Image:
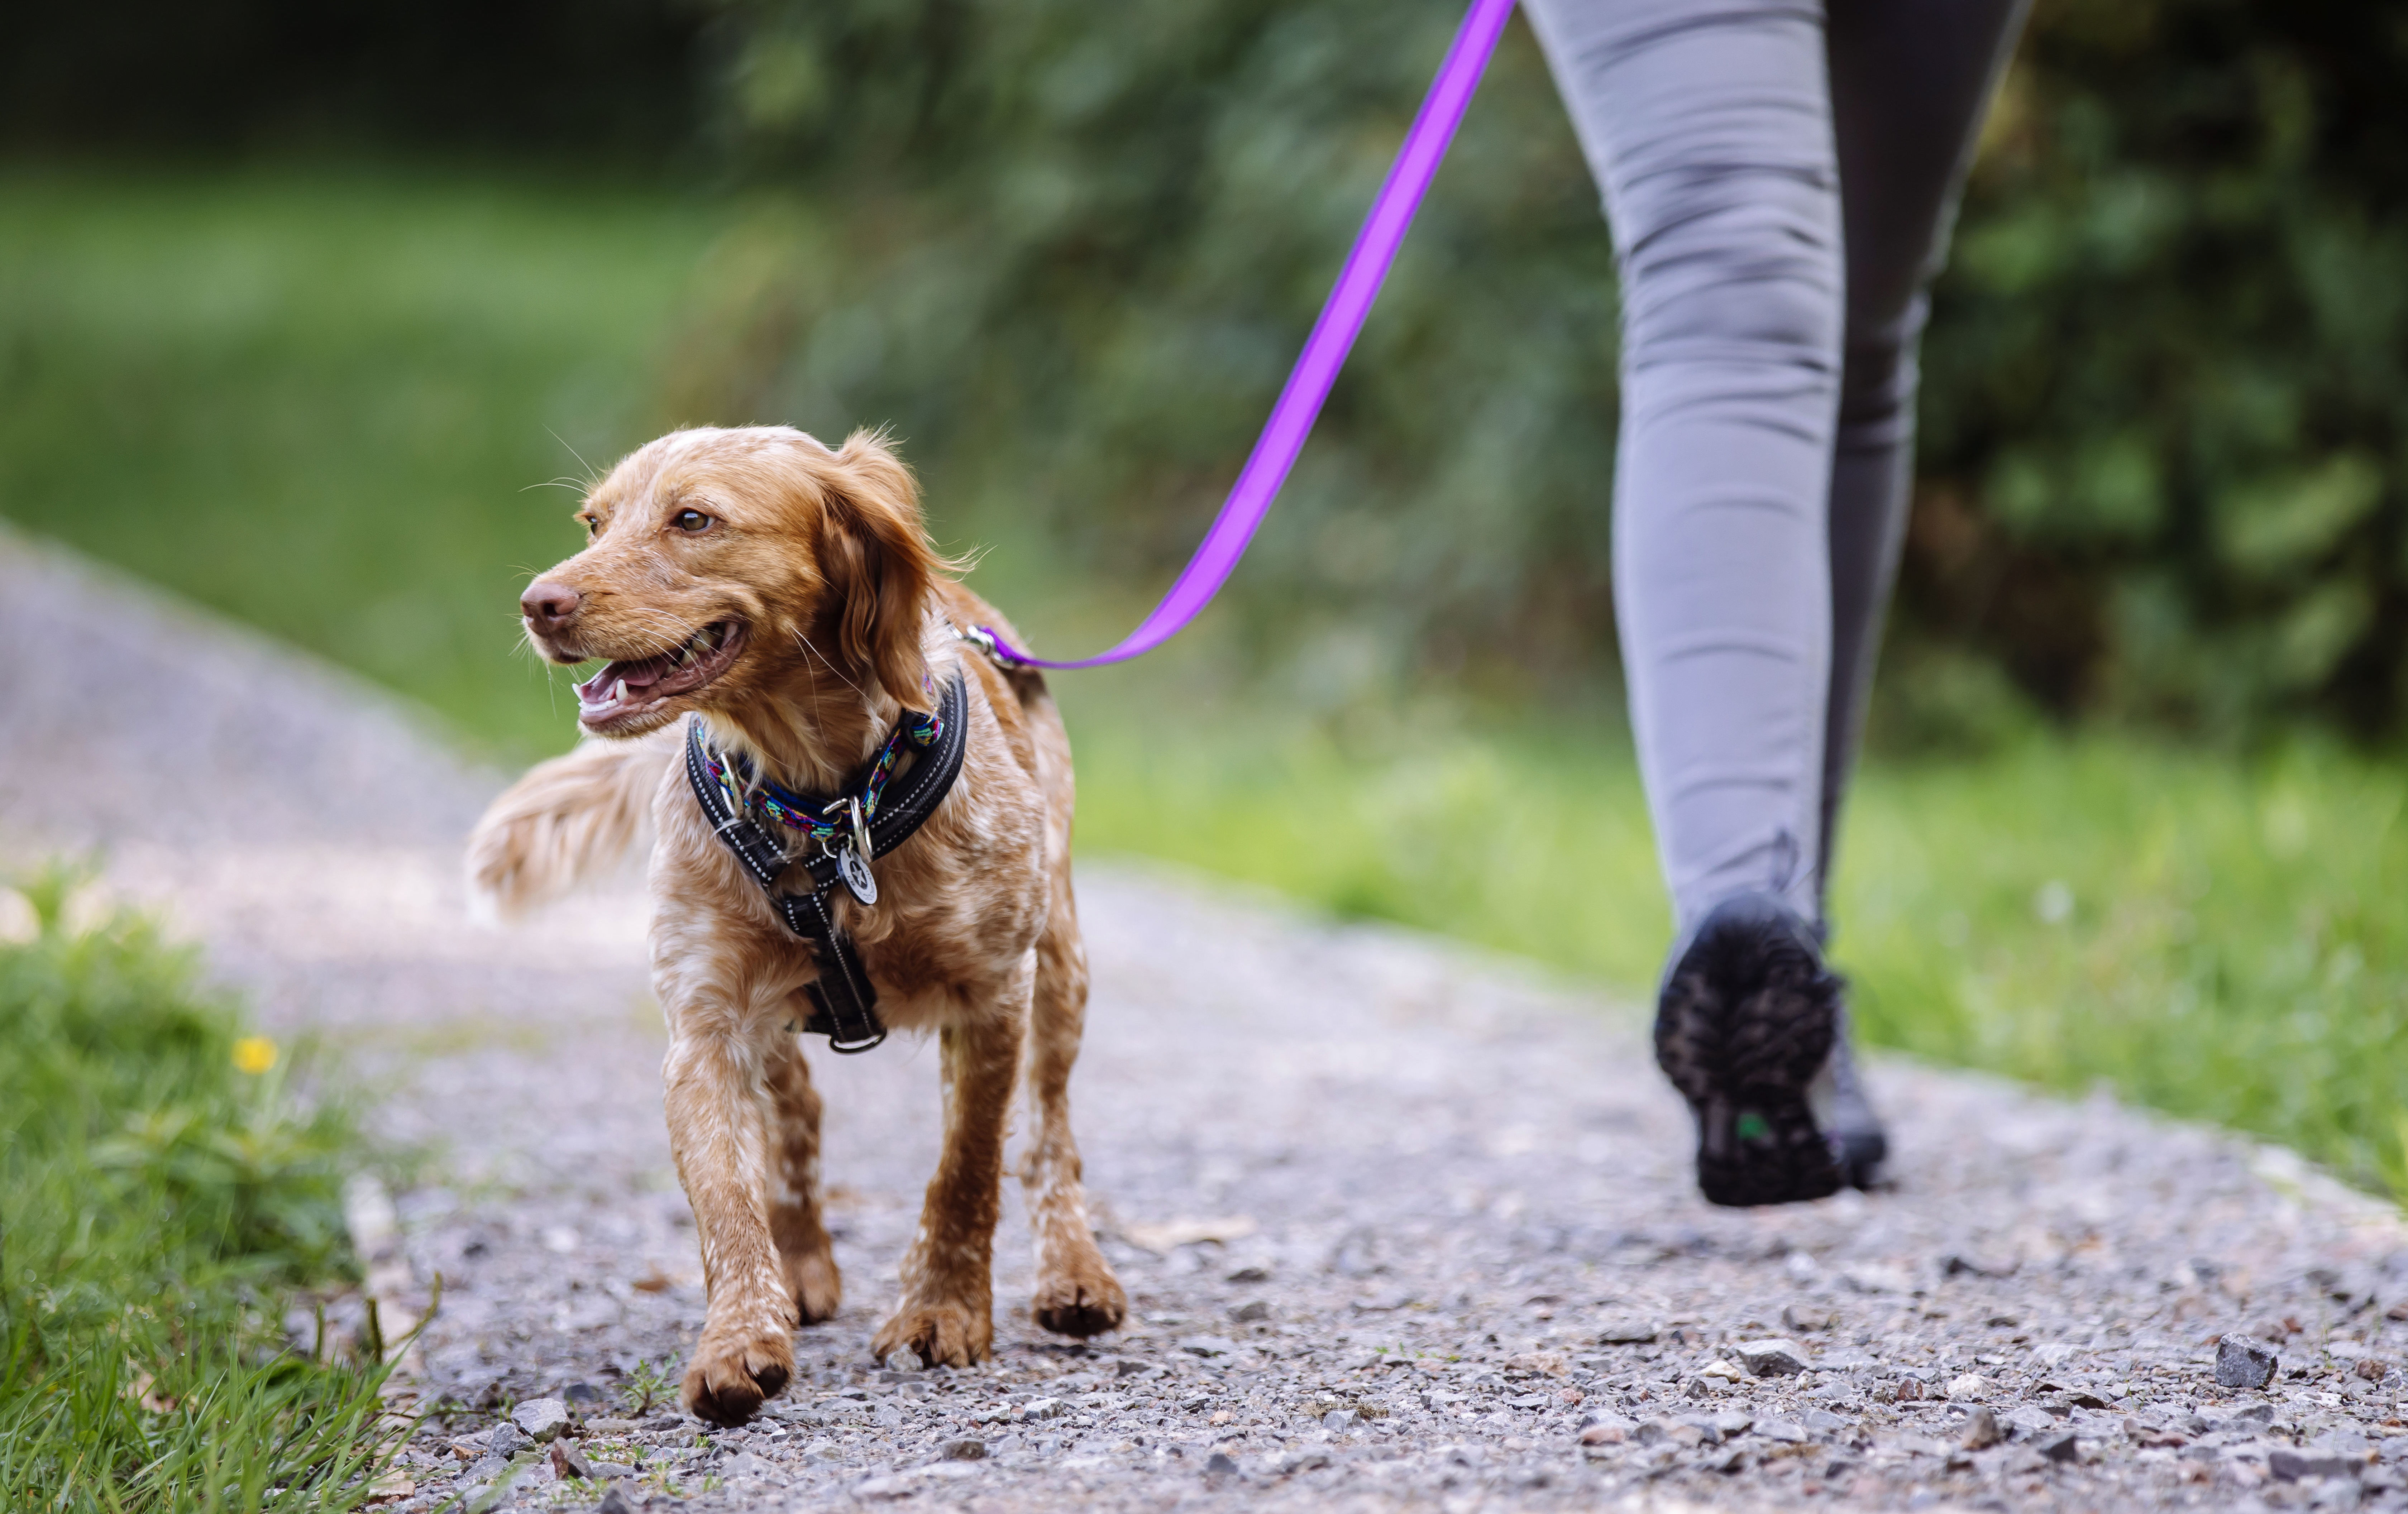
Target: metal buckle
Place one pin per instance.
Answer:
(983, 640)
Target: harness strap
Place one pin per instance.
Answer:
(844, 1001)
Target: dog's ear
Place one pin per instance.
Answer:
(880, 567)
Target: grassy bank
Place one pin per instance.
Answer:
(318, 403)
(2219, 938)
(161, 1195)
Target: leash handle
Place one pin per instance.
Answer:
(1324, 351)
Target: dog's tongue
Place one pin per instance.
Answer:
(637, 676)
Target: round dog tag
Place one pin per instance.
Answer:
(854, 869)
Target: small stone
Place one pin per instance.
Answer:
(1252, 1310)
(1209, 1346)
(1733, 1422)
(2059, 1447)
(1343, 1419)
(568, 1462)
(1690, 1433)
(2289, 1465)
(1805, 1316)
(576, 1396)
(542, 1419)
(1719, 1368)
(2372, 1368)
(1304, 1460)
(2243, 1362)
(1250, 1275)
(965, 1450)
(1605, 1433)
(1969, 1389)
(2030, 1423)
(507, 1440)
(1773, 1357)
(1219, 1464)
(1824, 1422)
(1626, 1332)
(1785, 1432)
(1039, 1408)
(615, 1501)
(1981, 1430)
(746, 1464)
(1727, 1460)
(904, 1359)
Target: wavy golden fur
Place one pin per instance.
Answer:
(787, 596)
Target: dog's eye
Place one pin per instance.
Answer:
(593, 525)
(691, 521)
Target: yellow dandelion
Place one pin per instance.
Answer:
(254, 1054)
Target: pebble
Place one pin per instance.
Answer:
(1773, 1357)
(2060, 1446)
(965, 1450)
(1981, 1430)
(541, 1419)
(1971, 1388)
(2243, 1362)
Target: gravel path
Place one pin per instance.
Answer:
(1403, 1226)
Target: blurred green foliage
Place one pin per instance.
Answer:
(2166, 407)
(1069, 252)
(328, 401)
(162, 1191)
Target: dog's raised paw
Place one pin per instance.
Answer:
(1088, 1302)
(943, 1334)
(728, 1379)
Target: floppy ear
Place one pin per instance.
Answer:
(880, 566)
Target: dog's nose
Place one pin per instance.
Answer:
(547, 605)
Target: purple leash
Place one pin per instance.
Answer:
(1324, 350)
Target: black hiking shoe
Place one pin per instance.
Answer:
(1751, 1029)
(1847, 1118)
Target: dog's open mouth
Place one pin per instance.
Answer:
(627, 690)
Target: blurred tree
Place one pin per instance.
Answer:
(1069, 250)
(584, 77)
(2165, 403)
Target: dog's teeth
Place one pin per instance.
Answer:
(619, 692)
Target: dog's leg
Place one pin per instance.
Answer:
(1076, 1291)
(795, 1222)
(947, 1310)
(713, 1086)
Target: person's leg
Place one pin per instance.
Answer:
(1708, 129)
(1911, 81)
(1707, 124)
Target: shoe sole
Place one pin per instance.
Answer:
(1745, 1023)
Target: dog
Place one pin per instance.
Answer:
(787, 597)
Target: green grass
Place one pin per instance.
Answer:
(327, 402)
(2218, 937)
(158, 1203)
(316, 401)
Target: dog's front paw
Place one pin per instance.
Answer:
(731, 1374)
(817, 1286)
(1083, 1299)
(942, 1335)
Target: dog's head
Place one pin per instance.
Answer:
(721, 563)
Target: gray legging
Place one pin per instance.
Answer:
(1780, 176)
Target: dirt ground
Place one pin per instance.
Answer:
(1403, 1226)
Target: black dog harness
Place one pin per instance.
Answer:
(874, 817)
